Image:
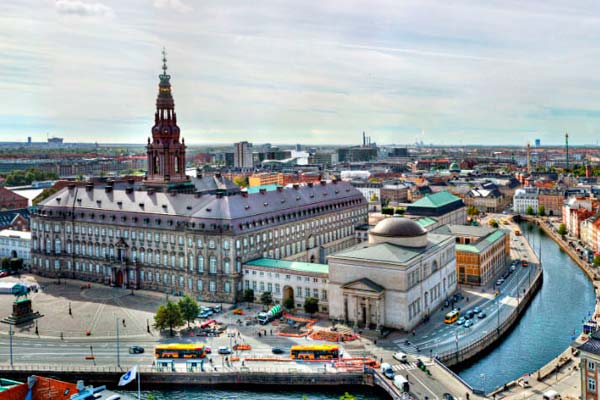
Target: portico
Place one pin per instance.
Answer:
(364, 302)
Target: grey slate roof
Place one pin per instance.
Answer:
(390, 253)
(211, 208)
(592, 345)
(8, 216)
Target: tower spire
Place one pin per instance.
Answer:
(166, 154)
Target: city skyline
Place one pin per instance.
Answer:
(278, 72)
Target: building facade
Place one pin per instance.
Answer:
(170, 236)
(481, 252)
(10, 200)
(396, 279)
(443, 206)
(242, 155)
(288, 279)
(589, 365)
(16, 244)
(524, 199)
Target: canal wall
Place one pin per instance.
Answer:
(568, 356)
(455, 358)
(250, 379)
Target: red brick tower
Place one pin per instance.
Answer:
(166, 154)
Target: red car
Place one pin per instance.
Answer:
(207, 350)
(3, 274)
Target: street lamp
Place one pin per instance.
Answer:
(10, 336)
(118, 343)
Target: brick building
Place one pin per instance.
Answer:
(10, 200)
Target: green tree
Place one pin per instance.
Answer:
(168, 316)
(189, 308)
(289, 303)
(387, 211)
(597, 261)
(15, 265)
(562, 230)
(472, 211)
(311, 305)
(249, 295)
(266, 298)
(541, 211)
(529, 210)
(5, 263)
(241, 181)
(347, 396)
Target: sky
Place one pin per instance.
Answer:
(288, 71)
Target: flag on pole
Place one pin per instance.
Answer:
(128, 376)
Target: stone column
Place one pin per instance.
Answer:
(368, 311)
(346, 308)
(378, 314)
(355, 311)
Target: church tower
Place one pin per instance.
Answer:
(166, 154)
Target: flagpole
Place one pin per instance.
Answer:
(139, 391)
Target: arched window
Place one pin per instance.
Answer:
(200, 264)
(57, 246)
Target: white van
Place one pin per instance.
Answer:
(401, 383)
(551, 395)
(386, 369)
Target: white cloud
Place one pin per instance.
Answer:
(176, 5)
(86, 9)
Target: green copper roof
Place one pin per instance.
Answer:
(290, 265)
(435, 200)
(256, 189)
(426, 221)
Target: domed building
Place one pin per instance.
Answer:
(454, 167)
(402, 274)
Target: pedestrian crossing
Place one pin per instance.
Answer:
(408, 366)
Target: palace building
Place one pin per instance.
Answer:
(173, 233)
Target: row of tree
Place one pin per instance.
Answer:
(541, 211)
(174, 315)
(21, 177)
(311, 304)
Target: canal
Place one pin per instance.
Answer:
(549, 325)
(222, 394)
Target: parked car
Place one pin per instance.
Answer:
(468, 323)
(469, 314)
(400, 356)
(224, 350)
(447, 396)
(207, 350)
(499, 282)
(277, 350)
(481, 315)
(216, 309)
(461, 321)
(3, 274)
(136, 350)
(205, 314)
(477, 310)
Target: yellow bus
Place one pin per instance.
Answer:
(180, 350)
(316, 352)
(451, 317)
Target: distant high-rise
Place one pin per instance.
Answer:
(242, 155)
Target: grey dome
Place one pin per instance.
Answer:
(398, 227)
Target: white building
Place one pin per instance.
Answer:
(242, 155)
(402, 275)
(525, 198)
(285, 279)
(16, 244)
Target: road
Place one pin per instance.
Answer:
(436, 337)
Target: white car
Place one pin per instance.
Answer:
(400, 356)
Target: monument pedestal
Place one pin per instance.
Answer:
(22, 313)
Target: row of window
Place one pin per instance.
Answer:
(145, 276)
(287, 276)
(260, 286)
